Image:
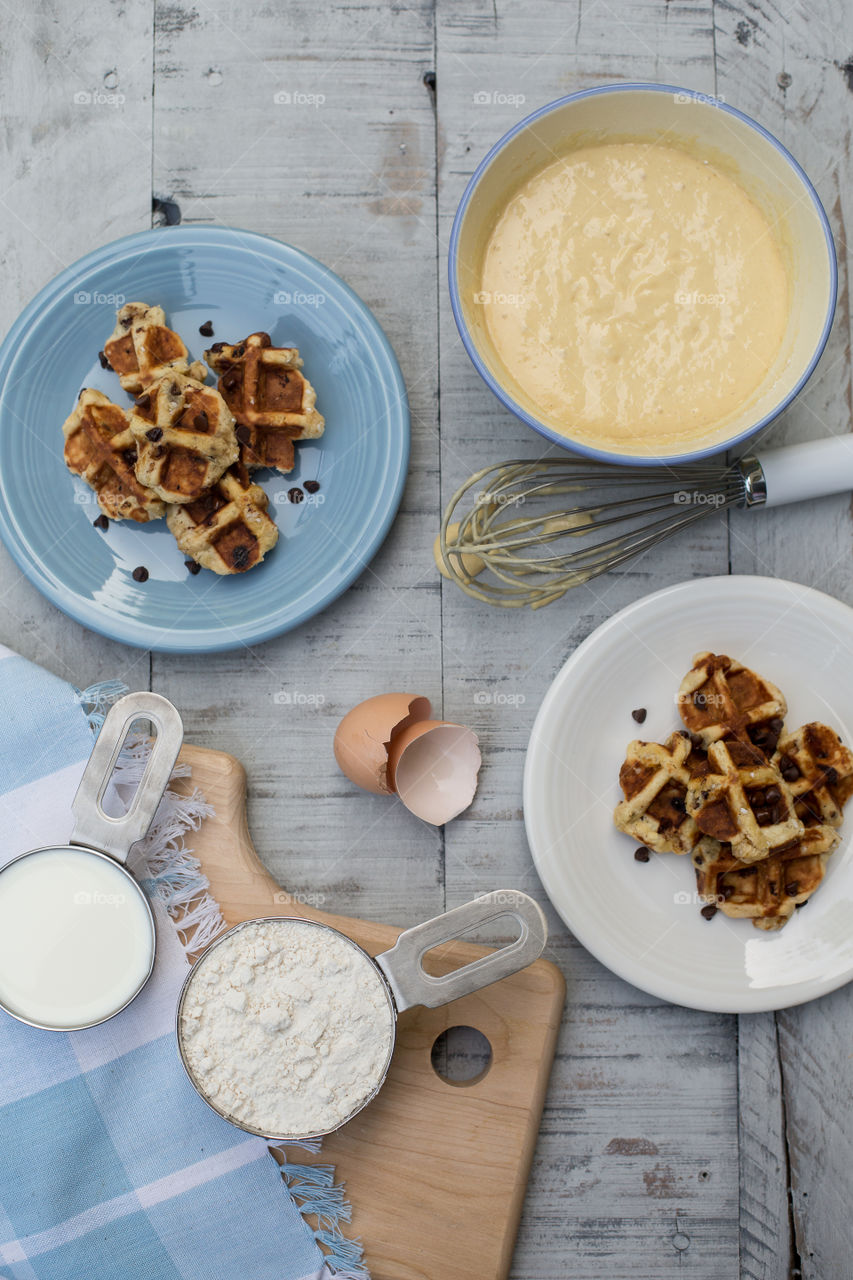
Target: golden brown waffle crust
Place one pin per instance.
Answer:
(720, 803)
(824, 769)
(247, 363)
(664, 764)
(162, 424)
(244, 506)
(734, 699)
(769, 891)
(156, 349)
(106, 463)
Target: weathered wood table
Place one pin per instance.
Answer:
(674, 1142)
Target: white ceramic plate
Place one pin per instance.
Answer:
(643, 920)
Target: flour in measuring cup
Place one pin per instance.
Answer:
(286, 1027)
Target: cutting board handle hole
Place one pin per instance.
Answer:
(461, 1056)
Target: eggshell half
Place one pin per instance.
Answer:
(433, 767)
(364, 736)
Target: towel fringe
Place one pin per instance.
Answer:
(98, 698)
(165, 865)
(315, 1191)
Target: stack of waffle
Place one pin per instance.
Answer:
(185, 450)
(757, 808)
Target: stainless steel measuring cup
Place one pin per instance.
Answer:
(96, 835)
(405, 981)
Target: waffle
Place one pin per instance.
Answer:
(142, 348)
(654, 780)
(768, 891)
(744, 801)
(227, 529)
(185, 436)
(719, 696)
(818, 768)
(100, 448)
(272, 402)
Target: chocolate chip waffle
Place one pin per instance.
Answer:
(227, 529)
(720, 697)
(272, 401)
(768, 891)
(185, 436)
(818, 768)
(142, 348)
(654, 780)
(100, 448)
(744, 801)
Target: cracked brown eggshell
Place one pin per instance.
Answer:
(365, 735)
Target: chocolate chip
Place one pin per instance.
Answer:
(295, 494)
(772, 795)
(238, 351)
(831, 777)
(710, 911)
(101, 522)
(174, 389)
(126, 322)
(726, 891)
(639, 715)
(240, 557)
(140, 574)
(771, 885)
(789, 769)
(759, 736)
(129, 456)
(200, 421)
(776, 724)
(155, 434)
(678, 804)
(105, 364)
(762, 817)
(206, 329)
(218, 346)
(641, 855)
(230, 381)
(792, 888)
(144, 401)
(800, 904)
(193, 566)
(699, 700)
(313, 486)
(243, 434)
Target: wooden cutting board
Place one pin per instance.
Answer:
(435, 1171)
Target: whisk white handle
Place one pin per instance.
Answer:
(809, 470)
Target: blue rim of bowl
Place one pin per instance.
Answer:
(211, 641)
(492, 383)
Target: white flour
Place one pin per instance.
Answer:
(286, 1027)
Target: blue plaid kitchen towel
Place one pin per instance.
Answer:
(111, 1166)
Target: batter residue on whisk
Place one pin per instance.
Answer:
(636, 295)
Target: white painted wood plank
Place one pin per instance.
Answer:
(636, 1170)
(765, 1219)
(75, 99)
(345, 170)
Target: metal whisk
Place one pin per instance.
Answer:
(522, 543)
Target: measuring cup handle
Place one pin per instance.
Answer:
(412, 985)
(94, 827)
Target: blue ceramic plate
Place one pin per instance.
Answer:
(242, 282)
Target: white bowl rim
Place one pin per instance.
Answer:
(604, 455)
